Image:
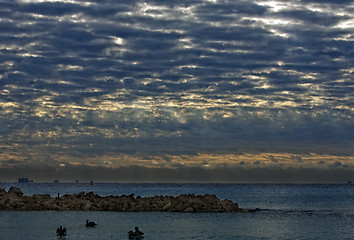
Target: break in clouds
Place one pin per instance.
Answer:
(177, 84)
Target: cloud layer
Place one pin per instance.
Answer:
(120, 83)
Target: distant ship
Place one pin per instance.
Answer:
(24, 180)
(91, 183)
(56, 181)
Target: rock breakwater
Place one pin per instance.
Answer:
(15, 200)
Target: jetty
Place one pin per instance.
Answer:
(15, 200)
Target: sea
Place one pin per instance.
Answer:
(286, 211)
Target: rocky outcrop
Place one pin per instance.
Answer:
(15, 190)
(15, 200)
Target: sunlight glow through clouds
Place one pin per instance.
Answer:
(276, 6)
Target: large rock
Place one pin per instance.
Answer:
(167, 206)
(41, 196)
(2, 192)
(15, 190)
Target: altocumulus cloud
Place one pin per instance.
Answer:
(172, 85)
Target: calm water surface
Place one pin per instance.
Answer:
(287, 212)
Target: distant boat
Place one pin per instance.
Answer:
(24, 180)
(56, 181)
(350, 182)
(91, 183)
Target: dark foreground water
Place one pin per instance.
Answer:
(287, 212)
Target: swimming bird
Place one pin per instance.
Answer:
(90, 224)
(61, 232)
(137, 234)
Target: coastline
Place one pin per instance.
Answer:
(15, 200)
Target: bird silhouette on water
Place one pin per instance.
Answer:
(90, 224)
(61, 232)
(137, 234)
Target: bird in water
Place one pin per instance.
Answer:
(61, 232)
(90, 224)
(137, 234)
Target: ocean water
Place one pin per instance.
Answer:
(287, 211)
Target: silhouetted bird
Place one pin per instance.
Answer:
(61, 231)
(90, 224)
(137, 234)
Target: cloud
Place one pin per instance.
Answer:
(344, 2)
(337, 164)
(178, 78)
(298, 159)
(273, 159)
(311, 17)
(9, 163)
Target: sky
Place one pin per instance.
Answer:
(177, 91)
